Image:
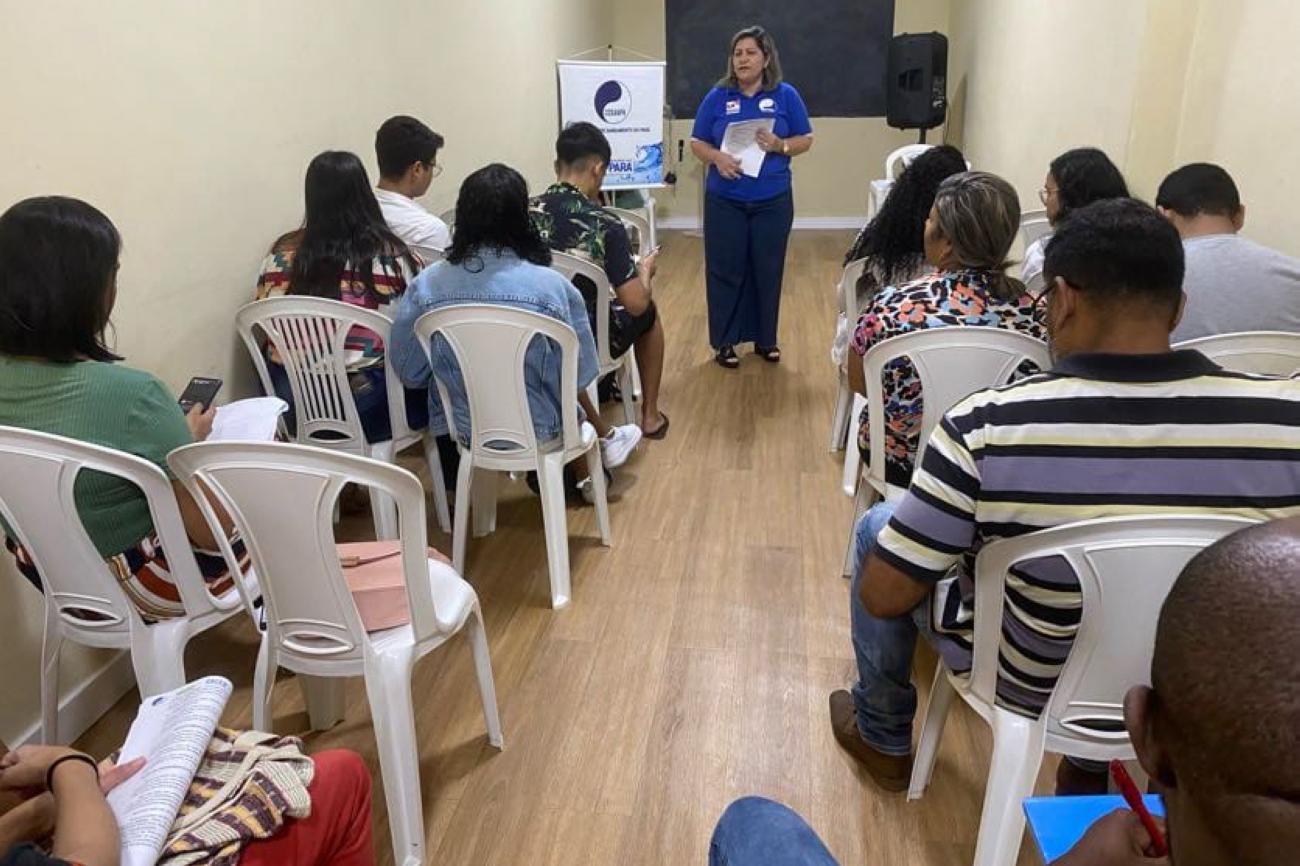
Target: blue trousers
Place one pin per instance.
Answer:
(744, 254)
(370, 391)
(758, 832)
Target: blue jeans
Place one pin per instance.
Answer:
(883, 695)
(744, 253)
(758, 832)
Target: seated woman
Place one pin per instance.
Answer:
(893, 242)
(58, 284)
(346, 252)
(1075, 178)
(496, 257)
(970, 229)
(58, 794)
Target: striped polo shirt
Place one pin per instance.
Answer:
(1098, 436)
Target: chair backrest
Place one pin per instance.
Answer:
(1126, 567)
(310, 336)
(490, 344)
(1033, 225)
(575, 266)
(1272, 353)
(902, 158)
(281, 497)
(633, 220)
(38, 472)
(850, 303)
(952, 363)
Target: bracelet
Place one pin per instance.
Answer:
(77, 756)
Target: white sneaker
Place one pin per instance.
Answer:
(615, 450)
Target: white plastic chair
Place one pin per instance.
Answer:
(1126, 566)
(1270, 353)
(281, 497)
(849, 304)
(1033, 225)
(83, 601)
(951, 363)
(489, 344)
(902, 157)
(572, 266)
(633, 220)
(309, 334)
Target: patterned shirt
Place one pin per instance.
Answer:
(391, 275)
(1098, 436)
(938, 300)
(570, 222)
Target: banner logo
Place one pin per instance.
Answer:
(613, 102)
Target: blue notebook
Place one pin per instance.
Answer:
(1059, 822)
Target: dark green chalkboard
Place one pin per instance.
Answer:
(833, 51)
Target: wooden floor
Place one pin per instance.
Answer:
(695, 660)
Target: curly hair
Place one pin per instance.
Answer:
(492, 214)
(894, 240)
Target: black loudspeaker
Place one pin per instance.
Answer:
(916, 84)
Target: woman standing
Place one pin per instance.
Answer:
(747, 219)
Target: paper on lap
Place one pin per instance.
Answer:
(741, 141)
(171, 731)
(252, 420)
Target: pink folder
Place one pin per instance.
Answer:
(377, 583)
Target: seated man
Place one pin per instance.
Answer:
(1121, 425)
(407, 151)
(1218, 731)
(571, 220)
(1232, 284)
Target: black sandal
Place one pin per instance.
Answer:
(726, 357)
(661, 432)
(771, 354)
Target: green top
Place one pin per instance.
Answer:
(103, 404)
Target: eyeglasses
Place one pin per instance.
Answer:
(1040, 301)
(434, 169)
(1044, 194)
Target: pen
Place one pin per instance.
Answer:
(1134, 800)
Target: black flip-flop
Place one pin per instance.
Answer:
(726, 357)
(661, 432)
(770, 354)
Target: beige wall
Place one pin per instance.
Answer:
(190, 124)
(832, 180)
(1155, 83)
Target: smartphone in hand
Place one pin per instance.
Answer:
(201, 391)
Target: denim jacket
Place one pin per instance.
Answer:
(491, 277)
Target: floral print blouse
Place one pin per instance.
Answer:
(938, 300)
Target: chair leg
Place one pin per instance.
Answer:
(264, 685)
(483, 492)
(636, 374)
(840, 420)
(51, 644)
(850, 478)
(597, 472)
(438, 481)
(388, 689)
(486, 684)
(550, 480)
(627, 389)
(1017, 755)
(936, 714)
(460, 530)
(325, 700)
(382, 506)
(158, 655)
(865, 497)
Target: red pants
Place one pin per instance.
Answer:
(337, 833)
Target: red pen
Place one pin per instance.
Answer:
(1134, 800)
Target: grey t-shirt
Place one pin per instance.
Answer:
(1234, 284)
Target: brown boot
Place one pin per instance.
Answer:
(1075, 781)
(891, 772)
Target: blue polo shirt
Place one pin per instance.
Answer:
(724, 105)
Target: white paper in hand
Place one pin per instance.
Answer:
(741, 141)
(252, 420)
(171, 731)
